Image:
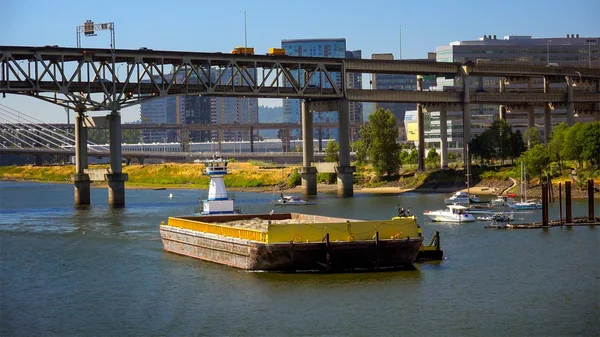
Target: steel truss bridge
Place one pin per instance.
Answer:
(87, 80)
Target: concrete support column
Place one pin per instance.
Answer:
(502, 108)
(251, 139)
(502, 112)
(421, 128)
(320, 139)
(116, 179)
(444, 137)
(530, 117)
(344, 171)
(547, 114)
(570, 103)
(220, 140)
(530, 108)
(547, 122)
(466, 120)
(81, 180)
(307, 172)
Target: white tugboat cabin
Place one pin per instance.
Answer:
(218, 200)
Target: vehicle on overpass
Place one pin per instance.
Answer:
(243, 51)
(276, 51)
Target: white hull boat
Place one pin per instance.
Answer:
(454, 213)
(462, 198)
(287, 200)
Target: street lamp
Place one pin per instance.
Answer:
(245, 33)
(402, 24)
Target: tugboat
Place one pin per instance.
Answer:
(218, 201)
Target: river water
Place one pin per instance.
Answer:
(102, 271)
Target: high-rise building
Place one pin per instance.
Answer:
(571, 50)
(198, 110)
(335, 48)
(234, 110)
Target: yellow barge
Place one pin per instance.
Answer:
(295, 242)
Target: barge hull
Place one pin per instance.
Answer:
(335, 256)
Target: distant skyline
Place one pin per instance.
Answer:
(373, 27)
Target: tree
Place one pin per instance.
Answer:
(332, 151)
(536, 160)
(517, 145)
(556, 143)
(532, 137)
(591, 144)
(379, 142)
(573, 144)
(361, 155)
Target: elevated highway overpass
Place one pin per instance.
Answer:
(87, 80)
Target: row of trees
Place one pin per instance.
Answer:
(498, 142)
(579, 143)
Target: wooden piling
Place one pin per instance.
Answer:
(560, 203)
(568, 202)
(590, 199)
(327, 255)
(377, 250)
(544, 204)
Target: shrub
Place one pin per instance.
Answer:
(294, 179)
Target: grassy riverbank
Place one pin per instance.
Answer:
(257, 176)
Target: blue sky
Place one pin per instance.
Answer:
(371, 26)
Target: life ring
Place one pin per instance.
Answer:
(397, 235)
(351, 238)
(426, 211)
(297, 238)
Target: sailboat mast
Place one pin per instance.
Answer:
(467, 176)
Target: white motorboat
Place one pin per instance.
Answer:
(498, 217)
(462, 198)
(454, 213)
(530, 204)
(503, 200)
(289, 200)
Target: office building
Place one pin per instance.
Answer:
(335, 48)
(571, 50)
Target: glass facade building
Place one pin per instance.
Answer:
(335, 48)
(571, 50)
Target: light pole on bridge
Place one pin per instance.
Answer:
(245, 33)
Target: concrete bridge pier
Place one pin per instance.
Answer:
(547, 114)
(81, 180)
(307, 172)
(443, 137)
(320, 134)
(466, 120)
(530, 108)
(502, 108)
(421, 129)
(251, 139)
(570, 103)
(116, 179)
(344, 171)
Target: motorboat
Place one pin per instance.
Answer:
(454, 213)
(462, 198)
(503, 200)
(290, 200)
(530, 204)
(498, 217)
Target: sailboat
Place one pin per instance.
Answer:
(464, 198)
(524, 203)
